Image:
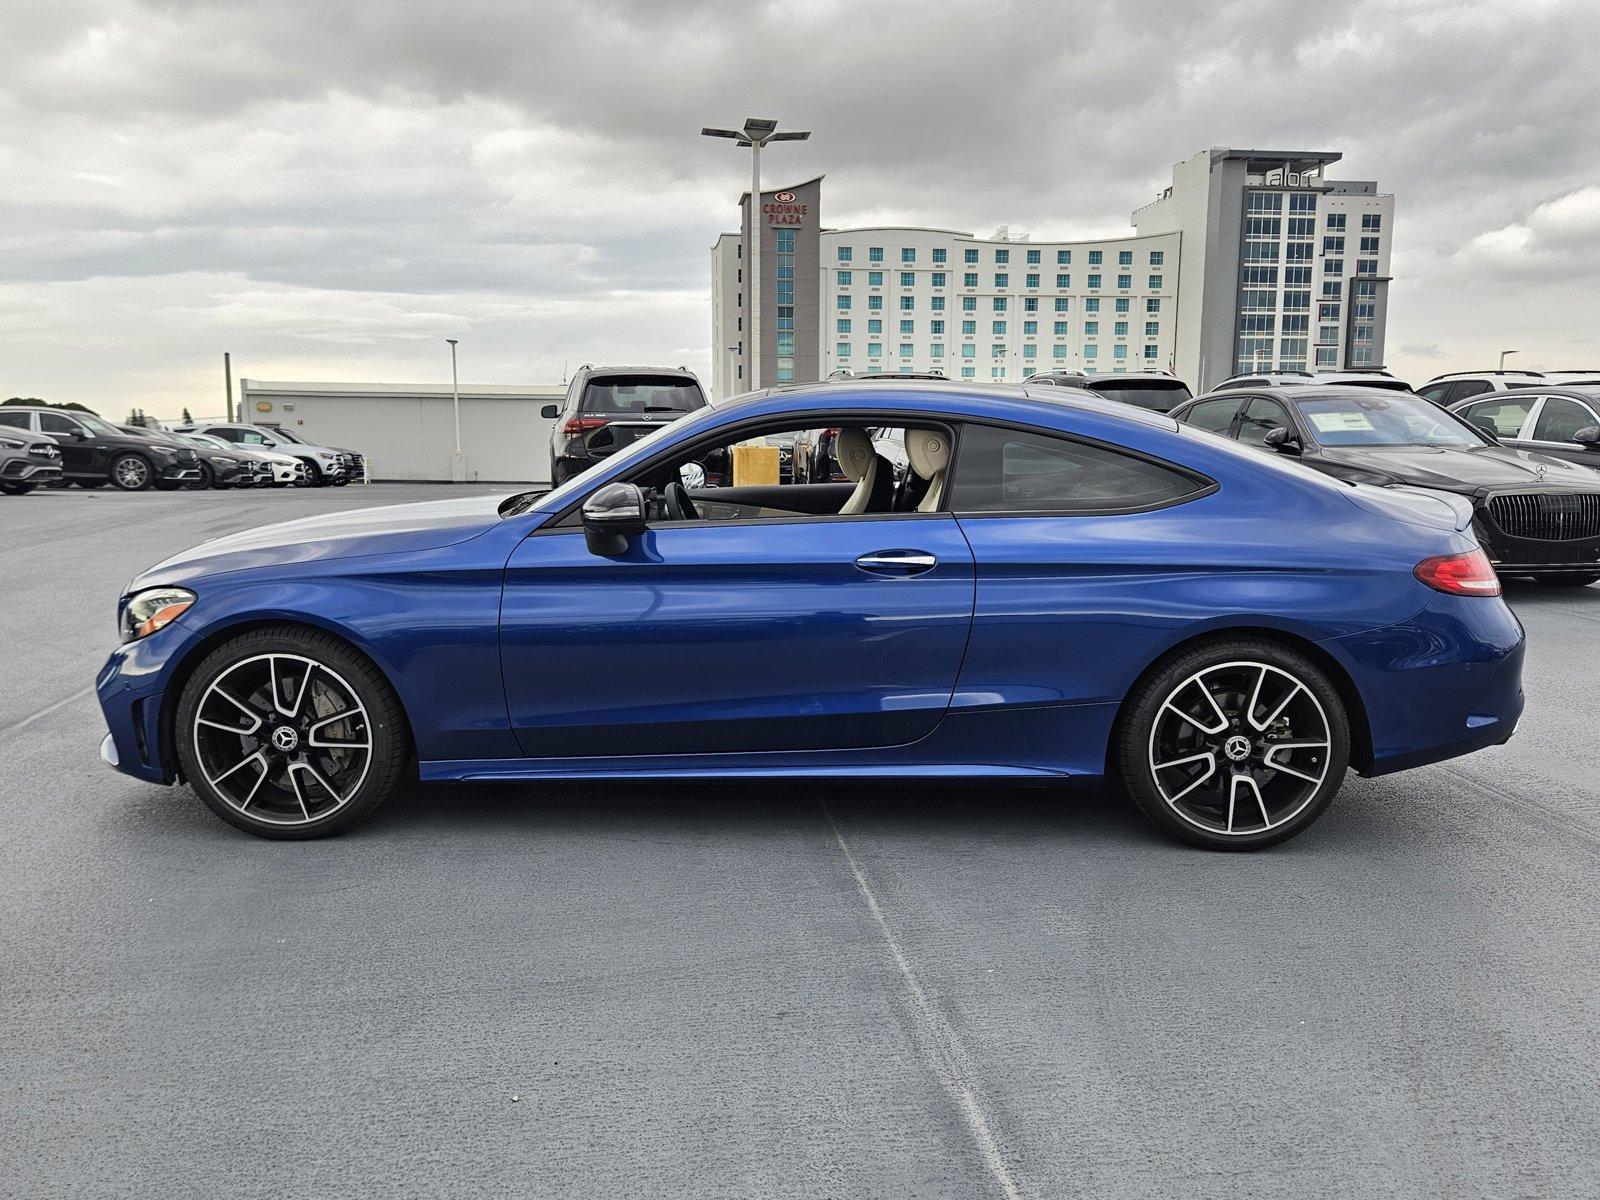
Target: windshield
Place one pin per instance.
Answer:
(275, 431)
(619, 395)
(1385, 421)
(104, 428)
(205, 439)
(1160, 395)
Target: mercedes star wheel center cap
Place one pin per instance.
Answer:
(286, 739)
(1237, 748)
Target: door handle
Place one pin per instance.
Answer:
(898, 563)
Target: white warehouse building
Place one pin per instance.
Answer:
(1252, 259)
(407, 431)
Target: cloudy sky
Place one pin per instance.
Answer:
(328, 190)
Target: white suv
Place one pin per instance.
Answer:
(1455, 386)
(1375, 378)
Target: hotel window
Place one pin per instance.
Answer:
(937, 303)
(1297, 301)
(968, 372)
(907, 349)
(1264, 202)
(968, 350)
(1030, 351)
(842, 325)
(1258, 298)
(1030, 304)
(1002, 256)
(842, 302)
(874, 349)
(785, 298)
(1122, 304)
(1369, 245)
(997, 372)
(1091, 351)
(1327, 356)
(1094, 281)
(969, 255)
(1327, 312)
(1029, 328)
(938, 256)
(1262, 227)
(1371, 222)
(1366, 266)
(874, 325)
(1333, 245)
(1298, 252)
(1002, 280)
(908, 326)
(1259, 276)
(969, 279)
(908, 254)
(1092, 304)
(874, 253)
(1063, 303)
(1124, 258)
(846, 253)
(842, 350)
(1095, 258)
(1124, 281)
(1091, 328)
(1331, 289)
(1119, 328)
(1257, 323)
(1364, 289)
(1151, 352)
(1303, 202)
(908, 279)
(1152, 328)
(998, 328)
(1031, 281)
(1063, 281)
(936, 350)
(843, 277)
(969, 304)
(1060, 329)
(1119, 351)
(997, 349)
(936, 327)
(1058, 352)
(874, 278)
(1302, 227)
(907, 303)
(1296, 323)
(938, 279)
(1033, 257)
(999, 304)
(1327, 333)
(1154, 283)
(1336, 222)
(1063, 259)
(874, 303)
(968, 328)
(1333, 266)
(1260, 252)
(1158, 258)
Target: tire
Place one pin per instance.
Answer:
(1226, 787)
(296, 793)
(208, 479)
(17, 489)
(90, 484)
(1577, 580)
(132, 473)
(342, 481)
(314, 476)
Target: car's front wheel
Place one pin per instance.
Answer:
(131, 472)
(1233, 744)
(289, 733)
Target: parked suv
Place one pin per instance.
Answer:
(609, 408)
(1376, 377)
(95, 452)
(1563, 422)
(1452, 388)
(218, 468)
(1160, 391)
(27, 459)
(324, 465)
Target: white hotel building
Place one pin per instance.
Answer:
(1250, 260)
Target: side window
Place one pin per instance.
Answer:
(249, 437)
(1560, 419)
(1504, 418)
(1215, 415)
(55, 423)
(1010, 470)
(1469, 387)
(17, 420)
(227, 435)
(1261, 417)
(1436, 392)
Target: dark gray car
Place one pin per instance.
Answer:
(1563, 422)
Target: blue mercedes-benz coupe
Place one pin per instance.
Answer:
(1006, 585)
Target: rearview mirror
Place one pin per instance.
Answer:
(1283, 440)
(611, 516)
(1588, 437)
(550, 412)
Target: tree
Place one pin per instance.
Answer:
(35, 402)
(187, 419)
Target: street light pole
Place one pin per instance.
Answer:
(755, 133)
(1503, 354)
(458, 471)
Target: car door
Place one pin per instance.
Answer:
(1552, 426)
(81, 453)
(1504, 415)
(1261, 416)
(736, 636)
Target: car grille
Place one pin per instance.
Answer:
(44, 453)
(1547, 516)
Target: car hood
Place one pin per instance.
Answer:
(396, 529)
(1465, 469)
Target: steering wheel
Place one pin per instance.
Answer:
(675, 499)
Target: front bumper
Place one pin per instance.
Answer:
(1513, 555)
(179, 473)
(131, 690)
(29, 470)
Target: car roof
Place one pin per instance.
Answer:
(1304, 391)
(1478, 374)
(671, 372)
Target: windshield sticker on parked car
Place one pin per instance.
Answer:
(1340, 422)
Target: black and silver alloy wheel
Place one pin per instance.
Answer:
(1235, 745)
(290, 734)
(131, 473)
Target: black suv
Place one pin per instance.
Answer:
(1155, 390)
(95, 452)
(609, 408)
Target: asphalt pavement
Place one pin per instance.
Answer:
(747, 991)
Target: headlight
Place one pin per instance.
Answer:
(223, 461)
(153, 609)
(12, 443)
(327, 457)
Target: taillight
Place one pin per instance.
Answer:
(1467, 574)
(579, 425)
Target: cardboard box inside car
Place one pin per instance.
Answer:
(754, 466)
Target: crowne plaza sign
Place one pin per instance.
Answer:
(783, 210)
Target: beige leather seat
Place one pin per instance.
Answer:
(873, 474)
(929, 453)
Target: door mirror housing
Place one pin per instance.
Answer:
(550, 412)
(611, 516)
(1283, 440)
(1588, 437)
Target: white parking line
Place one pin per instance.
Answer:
(45, 712)
(944, 1052)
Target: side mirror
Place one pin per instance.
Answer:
(1283, 440)
(1588, 437)
(693, 476)
(550, 412)
(611, 516)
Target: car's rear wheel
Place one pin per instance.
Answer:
(207, 480)
(1233, 744)
(289, 733)
(131, 473)
(1581, 579)
(17, 489)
